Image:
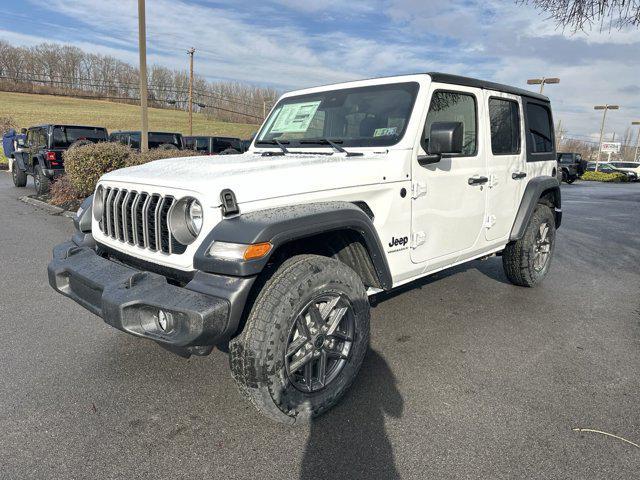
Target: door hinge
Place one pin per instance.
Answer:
(418, 189)
(418, 238)
(489, 221)
(493, 180)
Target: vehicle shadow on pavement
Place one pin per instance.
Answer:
(491, 268)
(350, 442)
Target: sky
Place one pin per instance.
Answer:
(290, 44)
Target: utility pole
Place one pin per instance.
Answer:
(542, 81)
(142, 47)
(191, 51)
(635, 155)
(604, 116)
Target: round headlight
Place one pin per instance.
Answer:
(194, 217)
(185, 220)
(98, 203)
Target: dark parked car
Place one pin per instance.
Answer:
(571, 166)
(41, 156)
(163, 140)
(608, 168)
(209, 145)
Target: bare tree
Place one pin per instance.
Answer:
(578, 15)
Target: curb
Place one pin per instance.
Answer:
(49, 208)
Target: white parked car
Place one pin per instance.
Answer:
(633, 167)
(346, 191)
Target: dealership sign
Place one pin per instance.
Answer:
(610, 147)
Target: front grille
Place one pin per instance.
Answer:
(140, 219)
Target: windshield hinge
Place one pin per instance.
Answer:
(418, 238)
(418, 189)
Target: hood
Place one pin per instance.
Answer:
(254, 177)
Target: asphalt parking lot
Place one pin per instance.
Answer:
(467, 377)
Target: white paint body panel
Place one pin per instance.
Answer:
(453, 223)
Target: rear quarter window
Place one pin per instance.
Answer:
(539, 130)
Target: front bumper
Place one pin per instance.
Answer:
(203, 313)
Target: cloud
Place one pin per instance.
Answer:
(290, 44)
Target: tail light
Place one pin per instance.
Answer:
(51, 157)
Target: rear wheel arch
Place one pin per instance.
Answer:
(540, 190)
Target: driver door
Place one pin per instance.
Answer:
(449, 197)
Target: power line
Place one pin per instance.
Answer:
(81, 81)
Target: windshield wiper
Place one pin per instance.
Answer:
(275, 141)
(333, 144)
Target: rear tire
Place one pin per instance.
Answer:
(41, 181)
(304, 341)
(19, 177)
(526, 261)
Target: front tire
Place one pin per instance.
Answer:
(526, 261)
(19, 177)
(41, 181)
(304, 341)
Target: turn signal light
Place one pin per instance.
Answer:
(257, 250)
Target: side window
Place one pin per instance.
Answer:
(455, 107)
(41, 138)
(504, 118)
(134, 139)
(540, 129)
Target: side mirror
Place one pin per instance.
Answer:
(445, 138)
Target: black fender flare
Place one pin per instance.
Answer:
(285, 224)
(20, 161)
(536, 188)
(38, 160)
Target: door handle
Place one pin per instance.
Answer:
(477, 180)
(518, 175)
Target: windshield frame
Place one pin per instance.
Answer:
(412, 86)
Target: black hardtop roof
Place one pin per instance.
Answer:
(474, 82)
(211, 136)
(45, 125)
(139, 131)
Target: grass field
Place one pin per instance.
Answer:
(29, 109)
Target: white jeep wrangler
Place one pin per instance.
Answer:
(347, 190)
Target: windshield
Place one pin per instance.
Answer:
(63, 137)
(625, 164)
(376, 115)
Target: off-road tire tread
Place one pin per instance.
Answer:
(516, 258)
(253, 339)
(44, 181)
(19, 177)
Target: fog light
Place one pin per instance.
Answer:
(165, 320)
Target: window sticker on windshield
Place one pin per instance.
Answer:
(295, 118)
(384, 132)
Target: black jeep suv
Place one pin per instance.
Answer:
(209, 145)
(162, 140)
(41, 156)
(571, 166)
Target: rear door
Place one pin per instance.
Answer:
(449, 196)
(506, 163)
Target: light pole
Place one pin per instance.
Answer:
(542, 81)
(635, 155)
(604, 116)
(142, 47)
(191, 51)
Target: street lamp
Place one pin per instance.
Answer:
(604, 116)
(635, 155)
(542, 81)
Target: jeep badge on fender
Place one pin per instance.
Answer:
(398, 241)
(282, 279)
